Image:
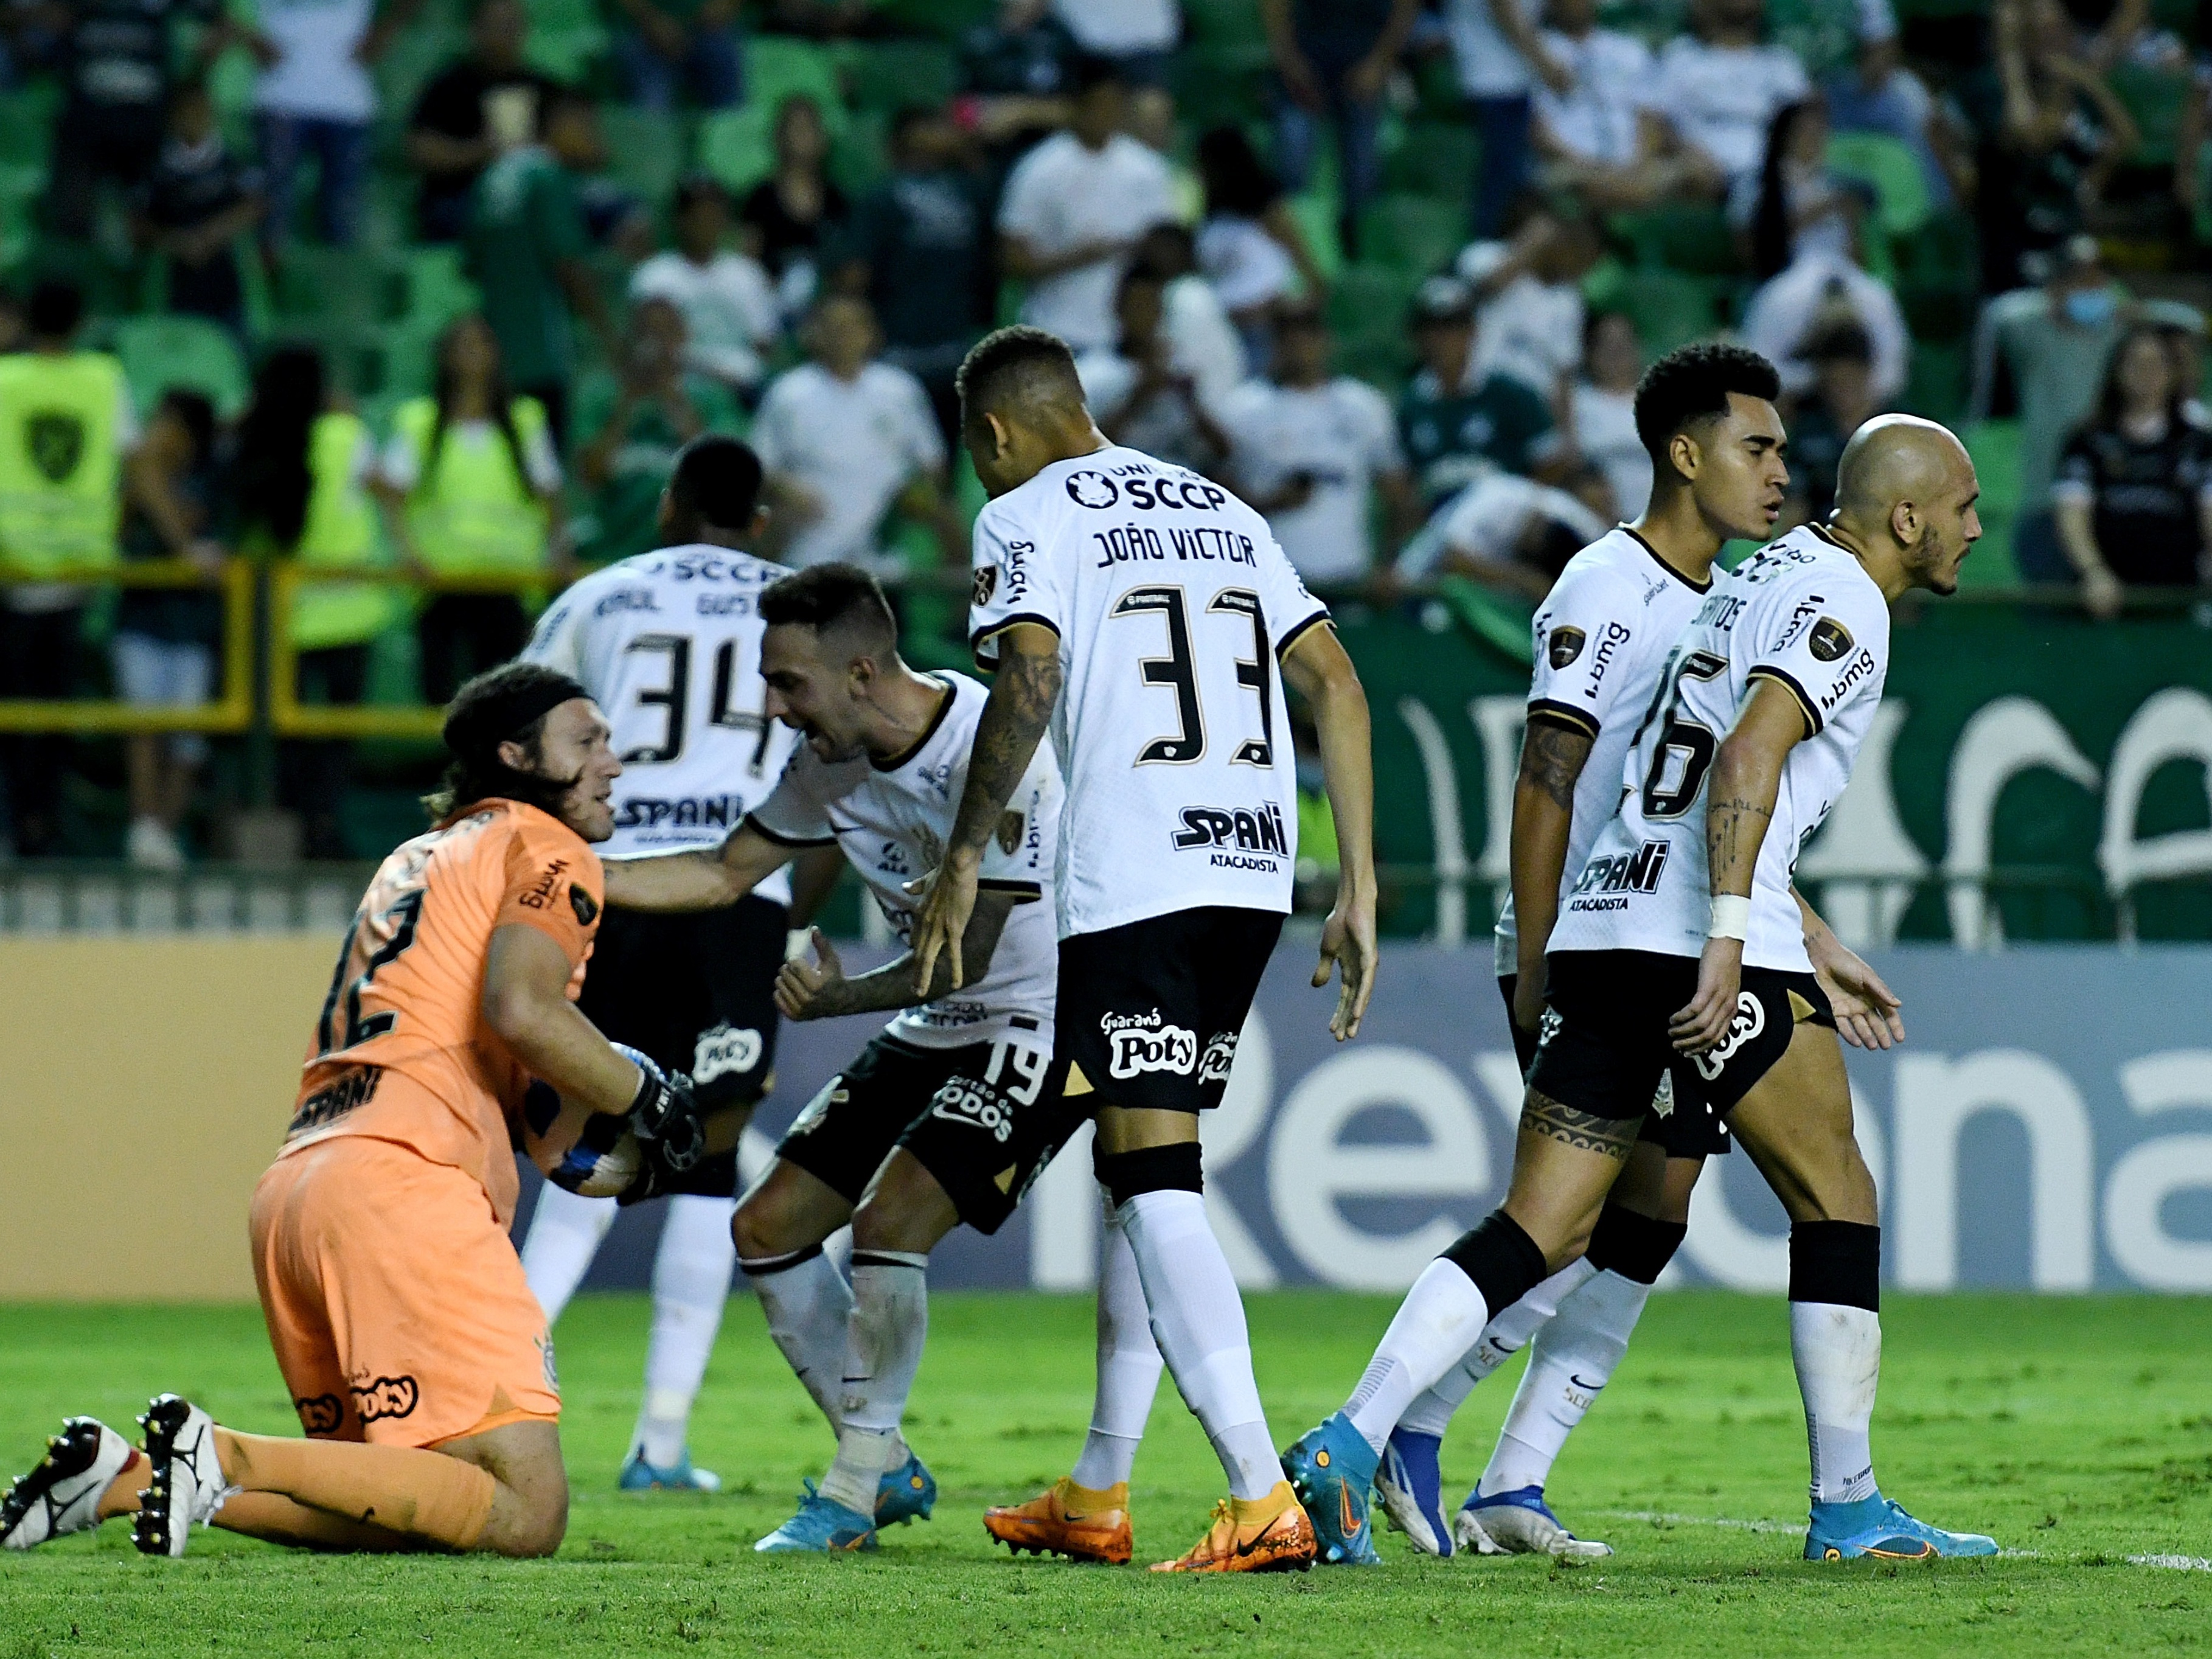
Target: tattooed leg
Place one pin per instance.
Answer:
(1564, 1162)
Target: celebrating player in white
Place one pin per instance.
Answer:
(1602, 638)
(668, 643)
(1749, 742)
(1141, 611)
(950, 1113)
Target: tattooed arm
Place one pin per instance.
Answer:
(1552, 756)
(1739, 796)
(1014, 718)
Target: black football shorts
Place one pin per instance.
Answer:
(1682, 1121)
(1149, 1011)
(1605, 1046)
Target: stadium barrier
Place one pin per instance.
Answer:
(2047, 1126)
(232, 712)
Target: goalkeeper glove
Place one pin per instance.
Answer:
(665, 1117)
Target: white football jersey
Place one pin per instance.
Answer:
(668, 643)
(1801, 612)
(892, 818)
(1173, 603)
(1601, 639)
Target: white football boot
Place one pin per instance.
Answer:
(1520, 1524)
(62, 1494)
(187, 1485)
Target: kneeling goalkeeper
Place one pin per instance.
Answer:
(414, 1352)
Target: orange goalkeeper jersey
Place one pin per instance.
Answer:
(406, 1001)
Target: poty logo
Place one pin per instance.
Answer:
(1220, 1055)
(1750, 1020)
(1170, 1048)
(1093, 489)
(724, 1051)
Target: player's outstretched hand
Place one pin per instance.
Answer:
(1867, 1011)
(799, 987)
(1705, 1022)
(942, 922)
(1347, 941)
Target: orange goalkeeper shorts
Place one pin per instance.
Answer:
(395, 1300)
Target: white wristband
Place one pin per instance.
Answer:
(1731, 917)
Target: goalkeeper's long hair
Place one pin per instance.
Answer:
(506, 704)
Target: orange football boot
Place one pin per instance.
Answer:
(1261, 1534)
(1070, 1520)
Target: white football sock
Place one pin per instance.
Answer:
(690, 1282)
(1838, 1352)
(1501, 1339)
(1437, 1321)
(808, 1304)
(1575, 1355)
(1198, 1320)
(889, 1327)
(565, 1233)
(1128, 1367)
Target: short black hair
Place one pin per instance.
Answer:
(717, 481)
(196, 414)
(837, 595)
(57, 307)
(1015, 364)
(908, 117)
(1089, 70)
(1693, 383)
(506, 704)
(1841, 341)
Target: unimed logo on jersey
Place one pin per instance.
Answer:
(1145, 1042)
(1240, 838)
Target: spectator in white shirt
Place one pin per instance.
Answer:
(1249, 247)
(1510, 532)
(1136, 35)
(1818, 291)
(1528, 301)
(1500, 59)
(1602, 135)
(1721, 86)
(1139, 394)
(729, 305)
(1205, 343)
(1075, 208)
(842, 439)
(314, 97)
(1308, 449)
(1601, 411)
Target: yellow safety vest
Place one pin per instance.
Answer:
(473, 510)
(339, 533)
(61, 467)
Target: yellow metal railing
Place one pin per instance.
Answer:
(290, 718)
(232, 712)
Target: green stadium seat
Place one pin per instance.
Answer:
(2155, 97)
(1435, 158)
(1889, 164)
(1418, 234)
(778, 66)
(945, 20)
(1681, 236)
(644, 150)
(159, 353)
(564, 14)
(1229, 21)
(566, 53)
(1217, 84)
(437, 287)
(1936, 386)
(338, 287)
(1316, 211)
(738, 146)
(1367, 309)
(890, 74)
(860, 157)
(1671, 308)
(27, 116)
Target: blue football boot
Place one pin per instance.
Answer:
(1332, 1470)
(1879, 1527)
(1520, 1522)
(1412, 1488)
(820, 1528)
(906, 1493)
(638, 1475)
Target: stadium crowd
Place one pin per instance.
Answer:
(360, 285)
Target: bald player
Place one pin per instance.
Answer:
(1749, 741)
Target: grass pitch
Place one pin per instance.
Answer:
(2078, 1431)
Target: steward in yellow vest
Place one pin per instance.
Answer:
(471, 507)
(61, 458)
